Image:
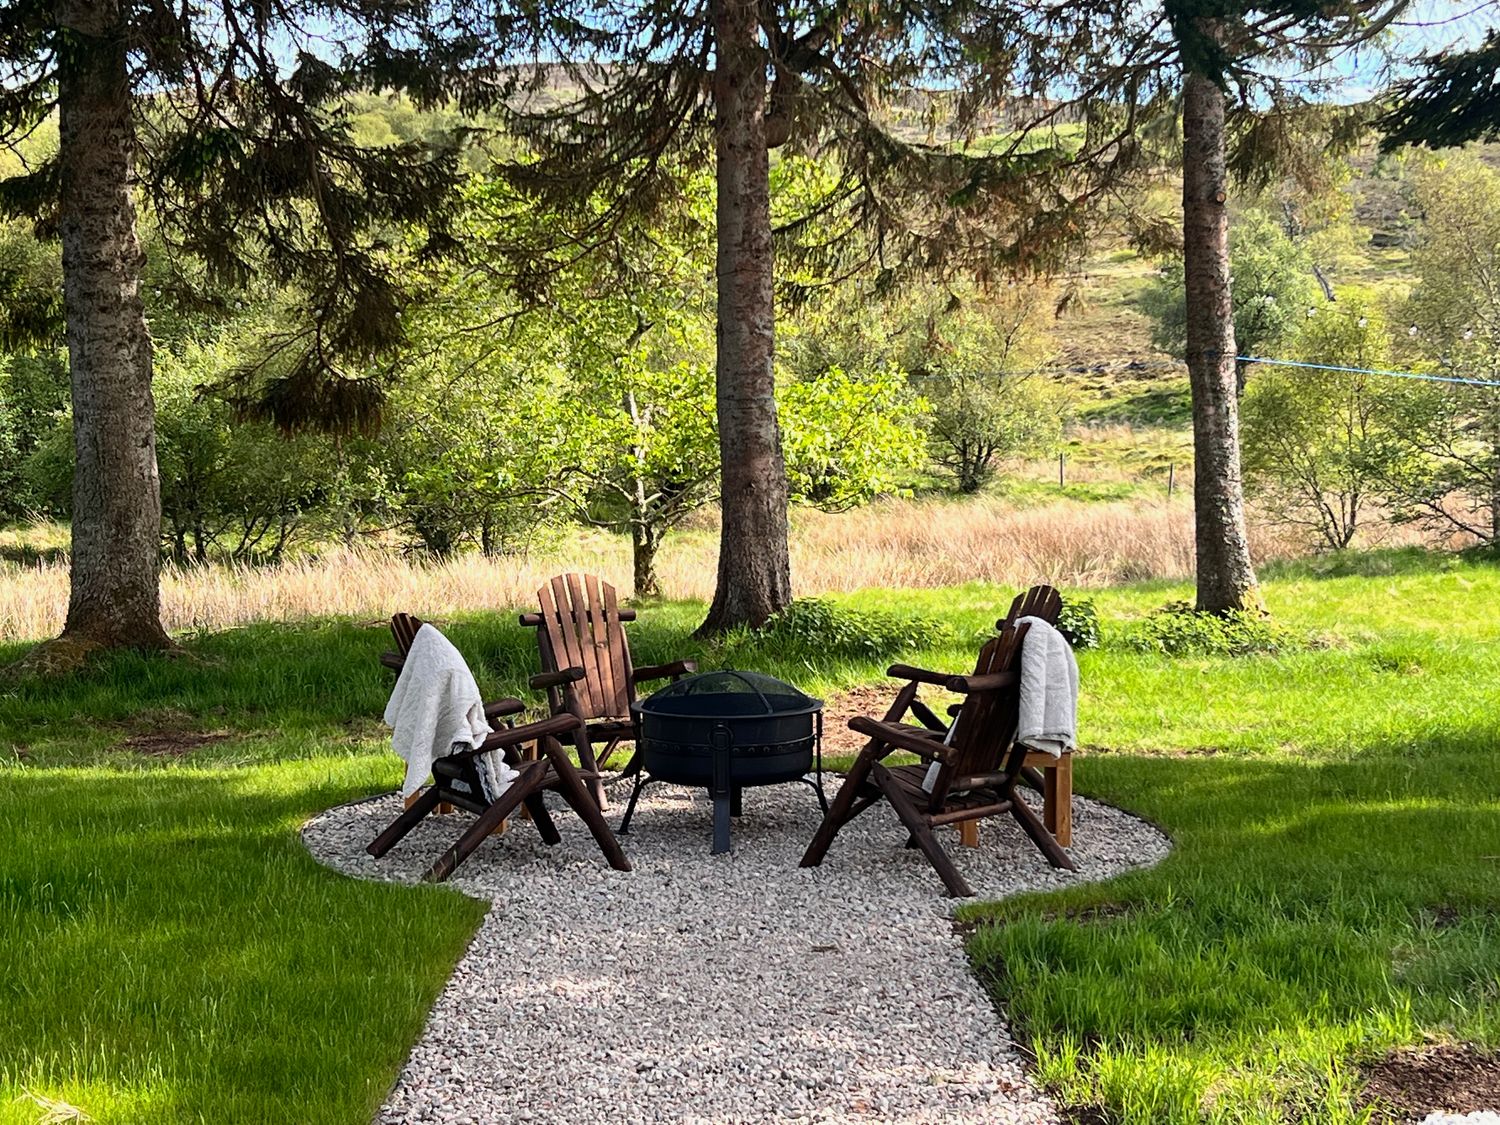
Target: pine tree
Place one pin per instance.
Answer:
(884, 97)
(224, 119)
(1455, 100)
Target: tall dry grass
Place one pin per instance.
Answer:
(892, 543)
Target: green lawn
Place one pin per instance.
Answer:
(175, 956)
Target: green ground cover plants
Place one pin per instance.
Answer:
(176, 956)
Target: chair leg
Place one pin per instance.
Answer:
(595, 763)
(609, 748)
(922, 833)
(443, 809)
(843, 810)
(519, 789)
(543, 819)
(573, 791)
(902, 703)
(1057, 805)
(414, 812)
(1043, 839)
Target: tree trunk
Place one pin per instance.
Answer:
(115, 599)
(754, 561)
(644, 543)
(1495, 474)
(1226, 579)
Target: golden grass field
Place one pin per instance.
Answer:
(891, 543)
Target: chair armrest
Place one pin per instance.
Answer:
(503, 708)
(562, 676)
(532, 620)
(529, 732)
(967, 685)
(393, 660)
(919, 675)
(923, 743)
(662, 671)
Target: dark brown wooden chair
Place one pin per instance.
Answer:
(456, 782)
(1049, 776)
(979, 766)
(586, 665)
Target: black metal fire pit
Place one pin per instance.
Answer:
(725, 731)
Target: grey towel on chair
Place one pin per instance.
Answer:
(1048, 718)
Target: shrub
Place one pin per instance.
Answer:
(816, 627)
(1177, 629)
(1079, 623)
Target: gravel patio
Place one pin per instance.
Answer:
(727, 989)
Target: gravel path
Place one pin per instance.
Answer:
(725, 989)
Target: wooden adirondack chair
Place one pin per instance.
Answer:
(404, 628)
(586, 665)
(1049, 776)
(456, 782)
(979, 766)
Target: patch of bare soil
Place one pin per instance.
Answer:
(838, 740)
(1408, 1084)
(171, 743)
(873, 700)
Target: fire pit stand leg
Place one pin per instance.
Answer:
(725, 795)
(815, 779)
(641, 780)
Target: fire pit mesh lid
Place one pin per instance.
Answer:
(728, 692)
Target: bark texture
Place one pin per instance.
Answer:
(645, 541)
(115, 595)
(754, 579)
(1226, 578)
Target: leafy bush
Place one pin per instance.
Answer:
(1079, 623)
(815, 627)
(1177, 629)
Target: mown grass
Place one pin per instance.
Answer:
(174, 954)
(1336, 879)
(178, 957)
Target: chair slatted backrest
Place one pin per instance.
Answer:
(986, 724)
(404, 627)
(582, 627)
(1039, 601)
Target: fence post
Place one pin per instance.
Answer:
(1171, 479)
(1061, 482)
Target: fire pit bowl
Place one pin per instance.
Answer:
(724, 731)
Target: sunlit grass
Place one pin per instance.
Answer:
(174, 954)
(1336, 878)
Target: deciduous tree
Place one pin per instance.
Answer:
(1319, 443)
(1453, 481)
